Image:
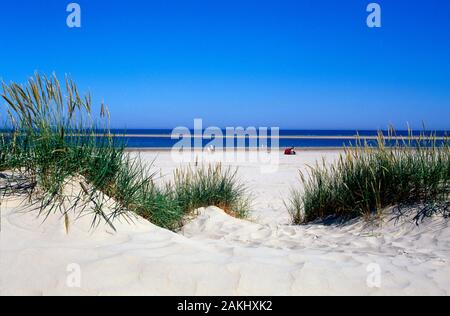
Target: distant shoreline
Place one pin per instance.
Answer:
(280, 149)
(165, 149)
(319, 137)
(355, 137)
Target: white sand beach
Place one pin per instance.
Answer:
(215, 254)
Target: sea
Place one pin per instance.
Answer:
(161, 138)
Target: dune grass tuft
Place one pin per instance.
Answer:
(366, 179)
(211, 185)
(50, 141)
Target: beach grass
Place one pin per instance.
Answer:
(211, 185)
(367, 179)
(51, 141)
(193, 188)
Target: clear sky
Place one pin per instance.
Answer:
(293, 64)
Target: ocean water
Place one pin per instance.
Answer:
(158, 138)
(288, 132)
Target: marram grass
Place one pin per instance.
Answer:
(211, 185)
(366, 179)
(51, 140)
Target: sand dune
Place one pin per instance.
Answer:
(216, 254)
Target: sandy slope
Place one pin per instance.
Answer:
(219, 255)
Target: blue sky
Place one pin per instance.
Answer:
(293, 64)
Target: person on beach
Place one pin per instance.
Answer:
(290, 151)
